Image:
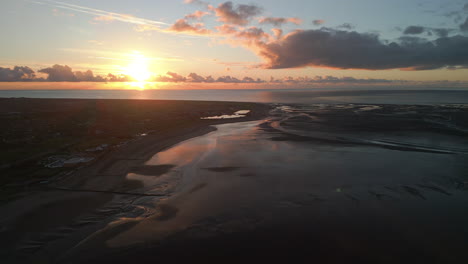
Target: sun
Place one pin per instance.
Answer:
(138, 68)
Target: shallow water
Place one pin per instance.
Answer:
(369, 95)
(312, 179)
(238, 114)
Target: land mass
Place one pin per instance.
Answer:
(64, 158)
(339, 183)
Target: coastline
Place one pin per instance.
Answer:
(27, 222)
(144, 148)
(262, 192)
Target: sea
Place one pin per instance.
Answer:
(303, 96)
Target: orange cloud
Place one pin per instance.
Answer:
(182, 25)
(197, 15)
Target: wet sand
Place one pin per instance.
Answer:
(337, 195)
(58, 209)
(342, 183)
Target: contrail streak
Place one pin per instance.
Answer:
(98, 12)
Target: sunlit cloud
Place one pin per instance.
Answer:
(197, 15)
(182, 25)
(236, 14)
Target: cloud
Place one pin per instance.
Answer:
(278, 21)
(353, 50)
(63, 73)
(347, 26)
(441, 32)
(277, 33)
(336, 48)
(197, 2)
(182, 25)
(171, 77)
(237, 15)
(18, 73)
(414, 30)
(458, 15)
(251, 33)
(197, 15)
(118, 78)
(196, 78)
(243, 35)
(87, 76)
(329, 79)
(193, 77)
(464, 26)
(59, 73)
(230, 79)
(318, 22)
(226, 29)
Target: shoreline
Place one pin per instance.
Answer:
(245, 189)
(65, 199)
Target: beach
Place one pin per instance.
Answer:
(371, 183)
(41, 191)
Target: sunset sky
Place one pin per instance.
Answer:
(421, 40)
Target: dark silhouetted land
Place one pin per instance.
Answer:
(332, 183)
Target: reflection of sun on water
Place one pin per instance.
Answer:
(138, 85)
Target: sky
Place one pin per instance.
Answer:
(240, 41)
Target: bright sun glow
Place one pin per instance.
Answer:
(138, 68)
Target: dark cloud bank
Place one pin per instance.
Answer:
(353, 50)
(417, 30)
(63, 73)
(18, 73)
(56, 73)
(413, 30)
